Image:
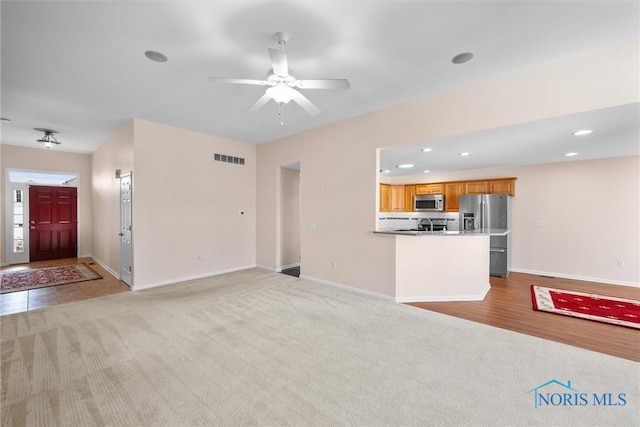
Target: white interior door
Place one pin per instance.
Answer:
(126, 253)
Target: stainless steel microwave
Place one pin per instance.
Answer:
(428, 203)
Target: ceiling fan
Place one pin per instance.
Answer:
(283, 84)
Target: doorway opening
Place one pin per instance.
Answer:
(22, 234)
(290, 258)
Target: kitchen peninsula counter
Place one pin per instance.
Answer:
(493, 232)
(441, 266)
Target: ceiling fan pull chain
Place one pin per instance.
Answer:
(281, 113)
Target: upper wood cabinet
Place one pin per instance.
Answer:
(437, 188)
(385, 198)
(491, 186)
(476, 187)
(392, 198)
(409, 193)
(397, 198)
(452, 190)
(503, 186)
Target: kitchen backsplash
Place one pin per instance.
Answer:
(407, 220)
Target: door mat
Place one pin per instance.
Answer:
(617, 311)
(45, 277)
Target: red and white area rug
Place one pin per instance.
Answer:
(47, 276)
(619, 311)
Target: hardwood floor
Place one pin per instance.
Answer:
(17, 302)
(508, 306)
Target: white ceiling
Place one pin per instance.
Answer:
(79, 67)
(616, 133)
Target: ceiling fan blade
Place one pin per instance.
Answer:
(323, 84)
(306, 105)
(260, 102)
(239, 81)
(279, 62)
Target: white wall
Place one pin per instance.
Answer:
(192, 216)
(115, 153)
(341, 166)
(591, 218)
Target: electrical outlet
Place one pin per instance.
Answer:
(537, 223)
(620, 263)
(333, 264)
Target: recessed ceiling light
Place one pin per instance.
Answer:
(406, 166)
(155, 56)
(461, 58)
(427, 171)
(571, 154)
(582, 132)
(426, 150)
(464, 154)
(385, 171)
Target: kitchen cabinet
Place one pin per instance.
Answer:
(397, 198)
(385, 198)
(491, 186)
(437, 188)
(476, 187)
(392, 198)
(452, 190)
(409, 193)
(502, 186)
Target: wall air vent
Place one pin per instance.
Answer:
(228, 159)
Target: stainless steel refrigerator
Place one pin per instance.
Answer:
(490, 213)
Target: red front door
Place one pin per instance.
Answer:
(53, 231)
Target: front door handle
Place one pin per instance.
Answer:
(32, 227)
(120, 234)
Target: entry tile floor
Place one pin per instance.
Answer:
(17, 302)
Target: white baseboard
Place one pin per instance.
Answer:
(348, 288)
(268, 268)
(105, 266)
(446, 298)
(187, 278)
(574, 277)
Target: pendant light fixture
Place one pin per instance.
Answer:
(48, 140)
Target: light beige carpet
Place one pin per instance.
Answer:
(260, 348)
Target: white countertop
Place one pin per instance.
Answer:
(494, 232)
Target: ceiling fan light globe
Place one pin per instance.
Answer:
(280, 94)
